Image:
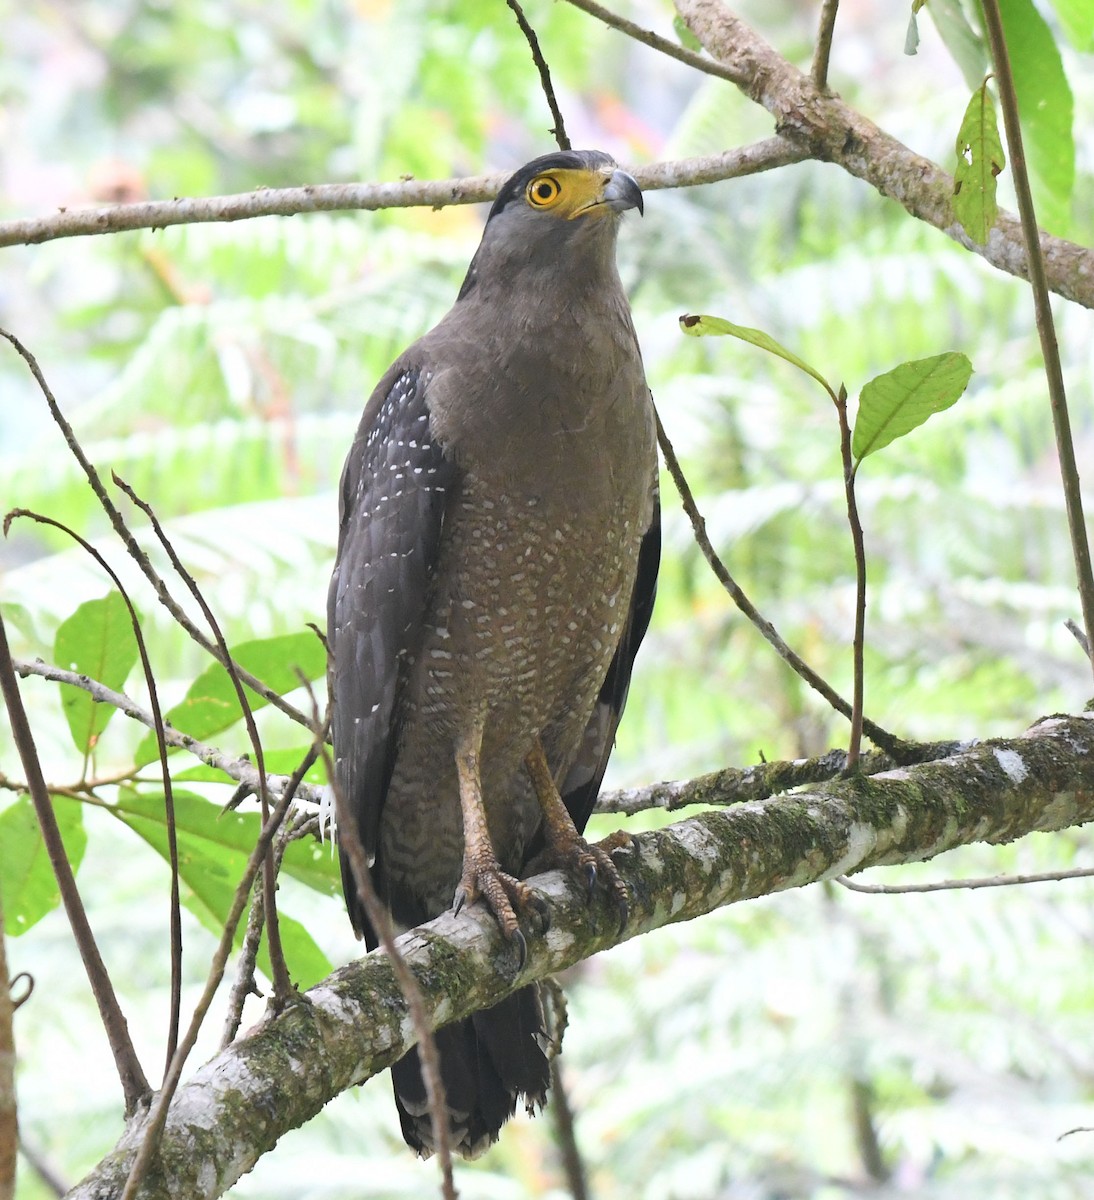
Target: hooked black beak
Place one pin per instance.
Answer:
(622, 192)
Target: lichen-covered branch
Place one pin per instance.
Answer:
(331, 197)
(355, 1023)
(736, 785)
(826, 128)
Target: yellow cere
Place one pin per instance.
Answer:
(569, 193)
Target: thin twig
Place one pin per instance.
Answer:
(175, 902)
(134, 1083)
(647, 37)
(130, 543)
(349, 843)
(240, 769)
(823, 52)
(566, 1135)
(1077, 633)
(559, 128)
(244, 985)
(880, 737)
(281, 982)
(153, 1130)
(1061, 420)
(746, 785)
(54, 1181)
(9, 1121)
(952, 885)
(858, 643)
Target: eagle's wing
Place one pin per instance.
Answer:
(396, 486)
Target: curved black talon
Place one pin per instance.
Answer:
(522, 949)
(542, 912)
(624, 913)
(458, 901)
(590, 880)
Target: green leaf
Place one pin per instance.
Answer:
(213, 852)
(211, 704)
(97, 640)
(686, 38)
(704, 326)
(1046, 107)
(1077, 20)
(27, 882)
(893, 404)
(979, 161)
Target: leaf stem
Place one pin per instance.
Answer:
(1035, 266)
(854, 746)
(880, 737)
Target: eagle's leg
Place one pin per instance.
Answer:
(565, 846)
(482, 874)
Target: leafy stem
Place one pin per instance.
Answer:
(890, 406)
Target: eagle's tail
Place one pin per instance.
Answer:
(488, 1062)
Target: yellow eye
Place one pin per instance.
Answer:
(543, 191)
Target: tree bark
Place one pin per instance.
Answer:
(826, 128)
(354, 1024)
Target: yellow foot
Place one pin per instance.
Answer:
(594, 862)
(506, 896)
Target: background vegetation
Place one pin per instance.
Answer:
(774, 1049)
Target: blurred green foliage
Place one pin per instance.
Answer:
(221, 372)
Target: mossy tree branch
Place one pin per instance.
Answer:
(355, 1023)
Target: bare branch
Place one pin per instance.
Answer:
(281, 982)
(559, 129)
(831, 131)
(953, 885)
(648, 38)
(739, 785)
(823, 52)
(408, 193)
(282, 202)
(9, 1123)
(380, 920)
(239, 769)
(161, 751)
(355, 1023)
(134, 1084)
(151, 1129)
